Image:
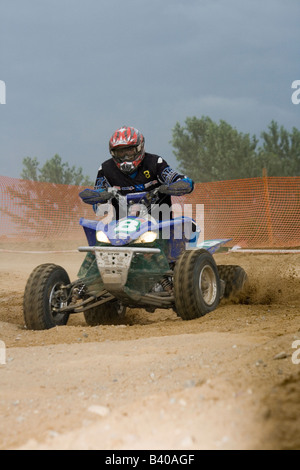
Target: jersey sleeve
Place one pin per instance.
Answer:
(166, 174)
(101, 182)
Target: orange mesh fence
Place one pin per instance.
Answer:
(256, 212)
(40, 211)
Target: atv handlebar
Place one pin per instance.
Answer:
(93, 196)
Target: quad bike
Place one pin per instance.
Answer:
(135, 261)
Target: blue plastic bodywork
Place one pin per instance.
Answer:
(180, 232)
(177, 234)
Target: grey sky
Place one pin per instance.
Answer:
(76, 70)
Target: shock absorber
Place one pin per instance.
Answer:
(166, 283)
(78, 292)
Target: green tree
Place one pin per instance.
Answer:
(212, 152)
(30, 170)
(54, 171)
(280, 151)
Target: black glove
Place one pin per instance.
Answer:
(178, 188)
(93, 196)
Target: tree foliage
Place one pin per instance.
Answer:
(280, 151)
(54, 171)
(210, 151)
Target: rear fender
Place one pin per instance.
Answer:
(213, 245)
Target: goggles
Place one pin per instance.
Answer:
(125, 154)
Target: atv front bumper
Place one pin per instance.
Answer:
(115, 263)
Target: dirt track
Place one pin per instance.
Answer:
(224, 381)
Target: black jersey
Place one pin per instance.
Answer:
(151, 173)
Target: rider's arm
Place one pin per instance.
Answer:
(167, 176)
(101, 184)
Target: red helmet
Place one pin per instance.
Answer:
(126, 147)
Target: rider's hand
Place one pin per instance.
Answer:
(95, 196)
(178, 188)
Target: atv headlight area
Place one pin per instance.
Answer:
(101, 237)
(147, 237)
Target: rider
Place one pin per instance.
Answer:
(130, 169)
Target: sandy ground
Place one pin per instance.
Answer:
(229, 380)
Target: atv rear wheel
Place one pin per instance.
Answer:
(196, 284)
(110, 313)
(235, 278)
(44, 292)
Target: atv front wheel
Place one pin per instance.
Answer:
(110, 313)
(197, 286)
(43, 293)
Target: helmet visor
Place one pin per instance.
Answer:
(125, 154)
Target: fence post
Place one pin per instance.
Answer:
(268, 209)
